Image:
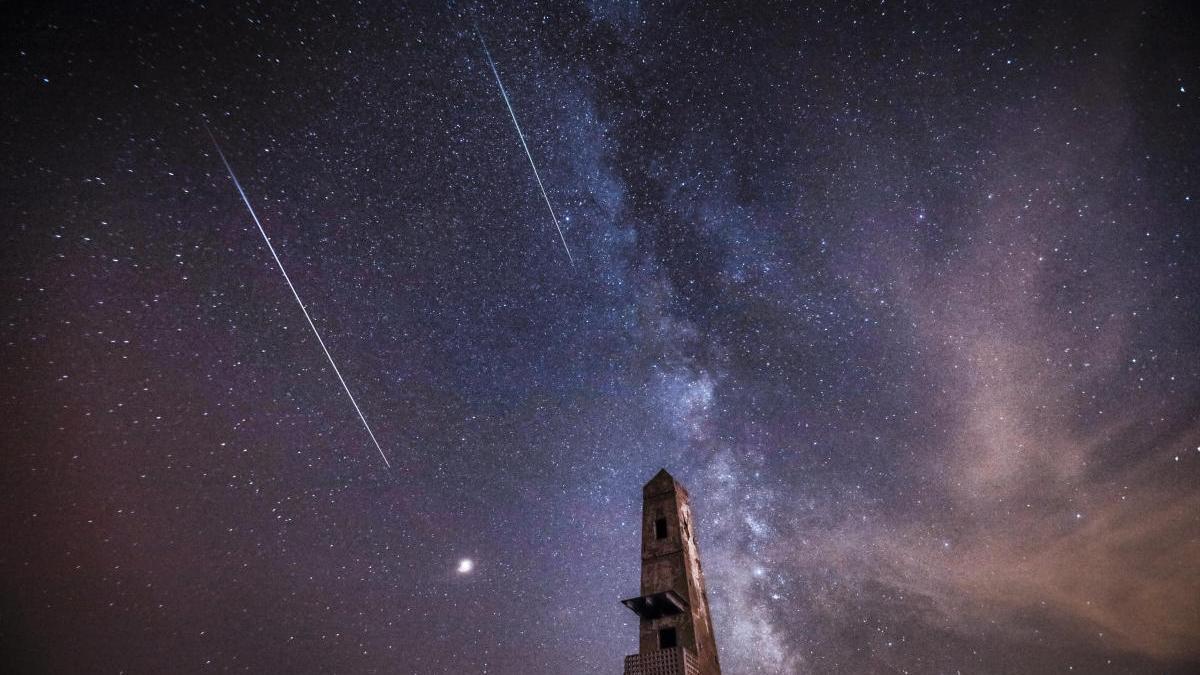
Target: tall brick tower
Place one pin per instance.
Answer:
(675, 634)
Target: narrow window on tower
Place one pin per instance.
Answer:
(660, 528)
(666, 638)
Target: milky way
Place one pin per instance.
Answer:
(907, 297)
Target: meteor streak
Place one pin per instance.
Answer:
(300, 302)
(521, 135)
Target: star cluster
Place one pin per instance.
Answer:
(906, 294)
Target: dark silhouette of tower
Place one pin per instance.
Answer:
(675, 634)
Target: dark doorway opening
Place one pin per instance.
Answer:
(667, 638)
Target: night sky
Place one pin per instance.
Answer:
(907, 296)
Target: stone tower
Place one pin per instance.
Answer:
(675, 634)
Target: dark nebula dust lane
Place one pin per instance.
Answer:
(906, 295)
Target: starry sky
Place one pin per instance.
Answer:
(906, 294)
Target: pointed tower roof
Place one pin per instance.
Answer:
(660, 474)
(662, 482)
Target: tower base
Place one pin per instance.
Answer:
(671, 661)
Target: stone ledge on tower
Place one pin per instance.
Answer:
(657, 605)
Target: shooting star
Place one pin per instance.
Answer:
(521, 135)
(263, 232)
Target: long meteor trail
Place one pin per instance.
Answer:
(521, 135)
(253, 215)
